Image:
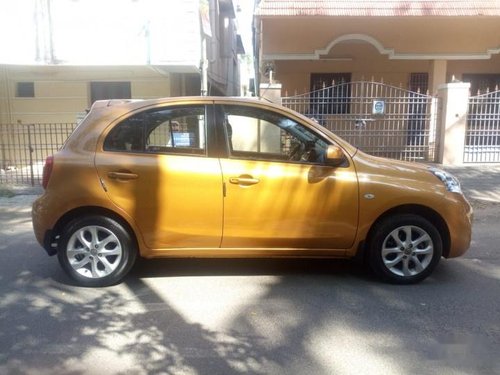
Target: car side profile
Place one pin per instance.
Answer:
(233, 177)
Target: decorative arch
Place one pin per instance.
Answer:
(316, 55)
(351, 37)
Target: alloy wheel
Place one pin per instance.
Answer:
(407, 250)
(94, 251)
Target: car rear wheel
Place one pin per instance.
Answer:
(96, 251)
(404, 249)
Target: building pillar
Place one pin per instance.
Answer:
(437, 75)
(5, 109)
(271, 92)
(454, 99)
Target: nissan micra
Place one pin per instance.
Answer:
(233, 177)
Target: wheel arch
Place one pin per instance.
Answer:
(426, 212)
(94, 210)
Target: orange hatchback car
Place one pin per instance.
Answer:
(232, 177)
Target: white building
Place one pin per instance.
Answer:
(58, 56)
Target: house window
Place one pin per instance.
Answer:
(109, 90)
(482, 82)
(331, 93)
(417, 109)
(25, 90)
(419, 82)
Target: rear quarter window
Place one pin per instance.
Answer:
(177, 130)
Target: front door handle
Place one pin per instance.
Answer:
(122, 176)
(244, 180)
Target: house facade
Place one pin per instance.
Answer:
(417, 45)
(73, 52)
(396, 78)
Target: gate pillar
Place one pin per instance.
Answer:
(438, 75)
(271, 91)
(454, 99)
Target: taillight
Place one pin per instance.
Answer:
(47, 171)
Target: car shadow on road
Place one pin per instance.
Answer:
(238, 267)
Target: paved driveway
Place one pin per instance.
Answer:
(247, 316)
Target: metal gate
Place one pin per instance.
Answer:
(482, 135)
(23, 149)
(380, 119)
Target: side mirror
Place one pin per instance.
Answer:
(334, 156)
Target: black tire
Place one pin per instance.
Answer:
(396, 260)
(96, 251)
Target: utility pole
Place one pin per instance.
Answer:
(204, 66)
(205, 32)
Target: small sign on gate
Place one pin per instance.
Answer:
(378, 107)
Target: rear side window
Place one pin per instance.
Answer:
(126, 136)
(178, 130)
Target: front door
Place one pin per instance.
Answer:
(278, 191)
(155, 167)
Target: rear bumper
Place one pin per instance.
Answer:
(49, 243)
(44, 235)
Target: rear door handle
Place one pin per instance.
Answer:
(122, 175)
(244, 180)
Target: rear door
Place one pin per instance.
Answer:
(157, 168)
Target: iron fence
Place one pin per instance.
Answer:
(24, 148)
(482, 135)
(378, 118)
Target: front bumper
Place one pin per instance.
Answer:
(460, 227)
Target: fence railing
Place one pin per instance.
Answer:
(482, 135)
(24, 148)
(405, 127)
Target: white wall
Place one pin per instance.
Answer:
(96, 32)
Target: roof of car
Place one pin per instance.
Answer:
(132, 104)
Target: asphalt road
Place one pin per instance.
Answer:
(247, 316)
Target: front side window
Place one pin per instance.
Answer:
(263, 135)
(178, 130)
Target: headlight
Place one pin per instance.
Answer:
(450, 182)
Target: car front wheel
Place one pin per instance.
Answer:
(96, 251)
(404, 249)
